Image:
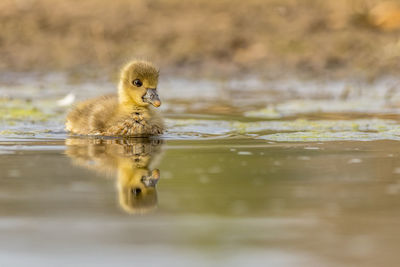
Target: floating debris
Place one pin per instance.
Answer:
(244, 153)
(67, 100)
(355, 160)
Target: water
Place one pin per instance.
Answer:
(216, 203)
(227, 185)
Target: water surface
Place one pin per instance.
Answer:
(304, 182)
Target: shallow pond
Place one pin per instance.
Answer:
(229, 184)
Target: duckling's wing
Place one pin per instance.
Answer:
(90, 117)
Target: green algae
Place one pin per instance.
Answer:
(339, 106)
(330, 136)
(24, 133)
(377, 125)
(18, 110)
(14, 133)
(293, 130)
(23, 114)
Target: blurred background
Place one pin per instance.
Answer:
(225, 38)
(268, 105)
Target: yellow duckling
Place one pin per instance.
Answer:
(129, 113)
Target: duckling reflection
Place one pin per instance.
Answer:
(131, 160)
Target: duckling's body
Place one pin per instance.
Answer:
(127, 114)
(104, 116)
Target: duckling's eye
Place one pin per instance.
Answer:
(136, 191)
(137, 83)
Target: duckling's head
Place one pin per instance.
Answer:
(138, 84)
(137, 189)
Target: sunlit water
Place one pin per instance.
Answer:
(299, 182)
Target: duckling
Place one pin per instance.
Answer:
(130, 160)
(127, 114)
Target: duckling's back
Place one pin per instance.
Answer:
(90, 117)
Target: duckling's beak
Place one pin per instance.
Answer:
(152, 179)
(151, 97)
